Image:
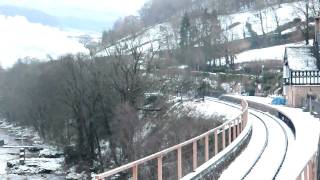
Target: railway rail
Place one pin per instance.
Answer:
(266, 122)
(277, 145)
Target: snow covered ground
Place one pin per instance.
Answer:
(6, 154)
(270, 53)
(285, 13)
(47, 164)
(21, 38)
(210, 108)
(301, 148)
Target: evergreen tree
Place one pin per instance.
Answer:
(185, 31)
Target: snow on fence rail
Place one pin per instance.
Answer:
(234, 126)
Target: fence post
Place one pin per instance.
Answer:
(135, 172)
(160, 168)
(229, 133)
(206, 151)
(194, 155)
(310, 169)
(238, 126)
(314, 160)
(305, 173)
(215, 141)
(179, 162)
(223, 138)
(318, 161)
(234, 129)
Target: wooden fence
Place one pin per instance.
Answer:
(309, 172)
(229, 130)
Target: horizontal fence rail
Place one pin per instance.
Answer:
(225, 133)
(303, 78)
(311, 169)
(309, 172)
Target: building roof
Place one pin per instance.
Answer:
(301, 58)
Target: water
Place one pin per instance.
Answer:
(7, 154)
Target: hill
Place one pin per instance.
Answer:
(247, 29)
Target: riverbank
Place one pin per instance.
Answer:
(43, 162)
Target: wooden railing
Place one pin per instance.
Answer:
(309, 172)
(233, 127)
(303, 78)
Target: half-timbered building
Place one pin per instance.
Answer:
(301, 72)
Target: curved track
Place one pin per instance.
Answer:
(269, 162)
(262, 150)
(269, 153)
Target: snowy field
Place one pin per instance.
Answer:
(285, 13)
(270, 53)
(21, 38)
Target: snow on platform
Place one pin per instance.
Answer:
(303, 146)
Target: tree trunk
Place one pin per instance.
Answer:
(261, 22)
(307, 21)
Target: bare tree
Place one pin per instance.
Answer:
(307, 9)
(277, 20)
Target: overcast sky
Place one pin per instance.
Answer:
(104, 10)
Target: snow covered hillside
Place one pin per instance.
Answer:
(269, 53)
(21, 38)
(165, 36)
(285, 13)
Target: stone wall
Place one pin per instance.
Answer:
(295, 95)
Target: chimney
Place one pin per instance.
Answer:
(316, 40)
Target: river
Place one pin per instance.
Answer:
(7, 154)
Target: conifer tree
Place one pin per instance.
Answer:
(185, 32)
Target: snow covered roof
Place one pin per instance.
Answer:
(301, 58)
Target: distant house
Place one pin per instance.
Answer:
(301, 74)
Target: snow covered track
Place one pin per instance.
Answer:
(275, 148)
(263, 148)
(303, 131)
(269, 141)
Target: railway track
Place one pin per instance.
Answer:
(271, 153)
(262, 150)
(269, 162)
